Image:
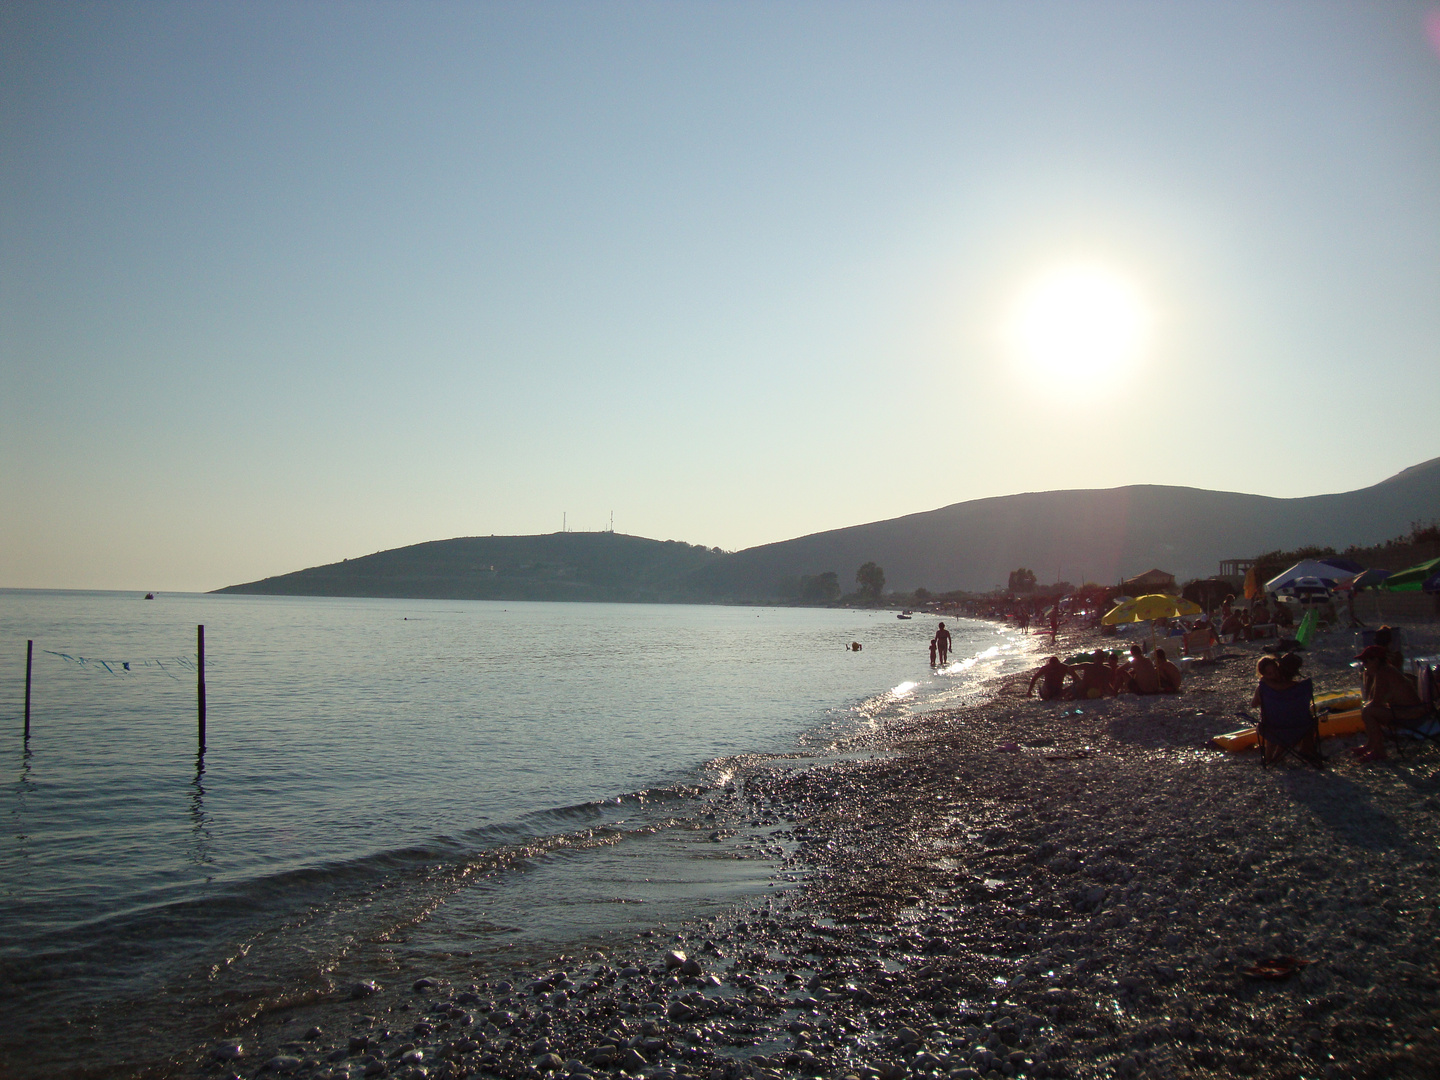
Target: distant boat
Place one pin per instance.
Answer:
(904, 614)
(149, 596)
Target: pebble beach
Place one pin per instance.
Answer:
(1012, 888)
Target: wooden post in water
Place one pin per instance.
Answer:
(29, 657)
(200, 680)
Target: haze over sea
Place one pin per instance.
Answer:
(389, 786)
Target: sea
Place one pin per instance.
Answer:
(390, 788)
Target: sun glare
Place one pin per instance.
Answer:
(1079, 321)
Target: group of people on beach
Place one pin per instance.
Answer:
(1256, 621)
(1390, 700)
(1097, 678)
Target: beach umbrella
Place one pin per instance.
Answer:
(1369, 579)
(1327, 575)
(1148, 608)
(1413, 578)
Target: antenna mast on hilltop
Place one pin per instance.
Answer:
(612, 521)
(564, 521)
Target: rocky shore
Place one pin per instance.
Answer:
(1012, 889)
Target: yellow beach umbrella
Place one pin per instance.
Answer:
(1148, 608)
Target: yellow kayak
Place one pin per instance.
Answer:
(1345, 723)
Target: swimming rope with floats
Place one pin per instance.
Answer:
(128, 667)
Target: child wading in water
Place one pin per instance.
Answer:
(934, 646)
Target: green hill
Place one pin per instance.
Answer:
(558, 566)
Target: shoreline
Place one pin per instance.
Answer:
(1006, 887)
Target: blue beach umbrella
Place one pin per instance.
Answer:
(1370, 579)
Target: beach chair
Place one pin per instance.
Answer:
(1405, 733)
(1199, 644)
(1289, 724)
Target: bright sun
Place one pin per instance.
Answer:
(1079, 321)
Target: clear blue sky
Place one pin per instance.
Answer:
(286, 283)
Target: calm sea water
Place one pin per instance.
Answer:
(387, 786)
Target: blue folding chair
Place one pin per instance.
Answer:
(1288, 724)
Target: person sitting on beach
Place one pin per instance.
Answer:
(1391, 701)
(1112, 668)
(1267, 670)
(1139, 675)
(1277, 674)
(1394, 655)
(1290, 665)
(1096, 680)
(1054, 674)
(1233, 624)
(1167, 672)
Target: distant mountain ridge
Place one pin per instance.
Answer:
(1097, 535)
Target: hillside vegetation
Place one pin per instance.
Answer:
(557, 566)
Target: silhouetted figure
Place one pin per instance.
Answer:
(1139, 675)
(1096, 679)
(933, 646)
(1390, 701)
(1168, 673)
(942, 642)
(1054, 673)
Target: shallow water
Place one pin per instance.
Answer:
(386, 783)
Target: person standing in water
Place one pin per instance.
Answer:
(942, 642)
(933, 647)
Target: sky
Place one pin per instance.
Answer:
(285, 283)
